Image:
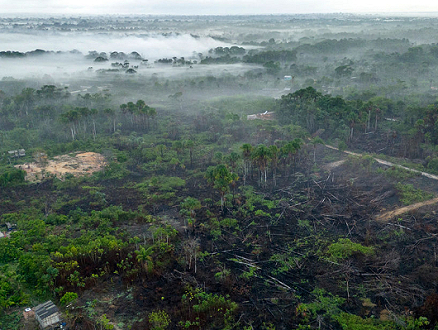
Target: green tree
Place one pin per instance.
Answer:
(289, 150)
(190, 205)
(68, 298)
(274, 153)
(190, 144)
(246, 153)
(144, 257)
(315, 141)
(221, 178)
(111, 115)
(261, 156)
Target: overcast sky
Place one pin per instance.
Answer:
(211, 7)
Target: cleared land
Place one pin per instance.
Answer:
(78, 164)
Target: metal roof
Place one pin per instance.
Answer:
(46, 309)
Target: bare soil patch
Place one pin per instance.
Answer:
(78, 164)
(331, 166)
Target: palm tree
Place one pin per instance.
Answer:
(190, 144)
(290, 149)
(246, 151)
(274, 153)
(178, 145)
(111, 113)
(84, 113)
(233, 158)
(261, 156)
(152, 113)
(144, 256)
(71, 117)
(93, 114)
(132, 109)
(124, 108)
(191, 204)
(142, 110)
(314, 142)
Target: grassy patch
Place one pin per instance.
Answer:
(409, 195)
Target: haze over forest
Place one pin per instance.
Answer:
(219, 172)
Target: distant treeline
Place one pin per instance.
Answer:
(36, 52)
(91, 55)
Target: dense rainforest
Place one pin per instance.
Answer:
(318, 214)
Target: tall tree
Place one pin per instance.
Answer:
(315, 141)
(190, 144)
(274, 153)
(260, 156)
(221, 178)
(246, 152)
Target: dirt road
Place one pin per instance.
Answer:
(384, 162)
(384, 217)
(387, 216)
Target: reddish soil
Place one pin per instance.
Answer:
(78, 165)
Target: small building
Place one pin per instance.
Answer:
(13, 153)
(263, 116)
(47, 314)
(17, 153)
(28, 313)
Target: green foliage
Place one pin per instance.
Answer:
(221, 178)
(222, 275)
(68, 298)
(249, 274)
(11, 294)
(344, 248)
(409, 195)
(11, 321)
(261, 213)
(325, 305)
(159, 320)
(161, 183)
(353, 322)
(283, 263)
(397, 173)
(191, 204)
(432, 164)
(210, 309)
(229, 223)
(105, 322)
(342, 146)
(113, 170)
(10, 177)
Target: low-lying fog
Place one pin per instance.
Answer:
(63, 66)
(151, 47)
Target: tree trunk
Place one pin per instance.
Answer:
(94, 130)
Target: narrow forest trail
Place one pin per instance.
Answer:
(387, 216)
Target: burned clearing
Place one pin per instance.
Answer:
(282, 174)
